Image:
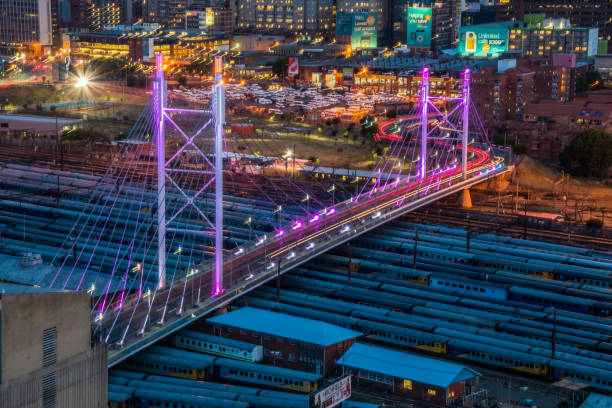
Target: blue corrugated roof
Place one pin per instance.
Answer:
(287, 326)
(405, 365)
(597, 401)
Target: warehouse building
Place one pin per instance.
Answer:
(288, 341)
(416, 377)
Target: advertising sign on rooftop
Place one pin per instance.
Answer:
(485, 41)
(362, 27)
(333, 395)
(418, 27)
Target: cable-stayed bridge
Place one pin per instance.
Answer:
(187, 218)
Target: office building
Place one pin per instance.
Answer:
(212, 20)
(45, 349)
(541, 40)
(378, 7)
(25, 26)
(501, 92)
(437, 31)
(308, 18)
(591, 13)
(103, 13)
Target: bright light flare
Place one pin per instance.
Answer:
(82, 82)
(297, 226)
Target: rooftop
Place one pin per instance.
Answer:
(283, 325)
(405, 365)
(597, 401)
(41, 119)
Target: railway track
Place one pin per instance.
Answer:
(507, 225)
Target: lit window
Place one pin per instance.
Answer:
(408, 384)
(431, 392)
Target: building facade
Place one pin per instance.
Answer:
(541, 40)
(211, 20)
(288, 341)
(25, 26)
(444, 22)
(501, 96)
(591, 13)
(419, 378)
(46, 354)
(379, 7)
(312, 18)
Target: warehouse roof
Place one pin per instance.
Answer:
(287, 326)
(405, 365)
(597, 401)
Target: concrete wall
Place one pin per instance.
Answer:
(26, 315)
(82, 382)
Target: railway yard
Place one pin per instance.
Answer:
(526, 306)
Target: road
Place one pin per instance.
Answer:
(260, 261)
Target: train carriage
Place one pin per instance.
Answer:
(216, 345)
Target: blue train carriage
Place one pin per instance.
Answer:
(499, 357)
(120, 400)
(266, 376)
(597, 378)
(154, 398)
(459, 286)
(239, 350)
(168, 365)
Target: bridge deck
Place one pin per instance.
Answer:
(160, 314)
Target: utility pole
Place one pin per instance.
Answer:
(414, 251)
(554, 333)
(278, 270)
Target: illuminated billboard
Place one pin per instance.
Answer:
(333, 395)
(361, 27)
(484, 41)
(418, 27)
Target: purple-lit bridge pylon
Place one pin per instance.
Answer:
(188, 218)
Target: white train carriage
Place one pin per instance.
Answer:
(239, 350)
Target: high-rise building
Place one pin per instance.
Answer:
(589, 13)
(211, 20)
(534, 41)
(25, 26)
(103, 13)
(443, 22)
(301, 17)
(364, 6)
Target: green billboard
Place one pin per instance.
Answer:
(362, 27)
(483, 41)
(418, 27)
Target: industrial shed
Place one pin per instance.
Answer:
(417, 377)
(289, 341)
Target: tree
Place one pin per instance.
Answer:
(336, 121)
(520, 149)
(85, 134)
(350, 126)
(591, 80)
(279, 67)
(589, 154)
